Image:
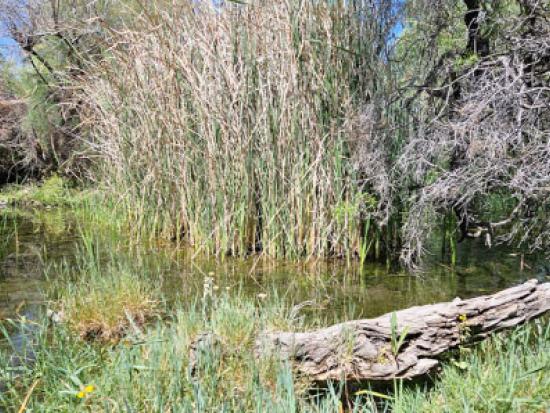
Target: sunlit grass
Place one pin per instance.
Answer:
(507, 373)
(56, 202)
(106, 307)
(150, 371)
(52, 191)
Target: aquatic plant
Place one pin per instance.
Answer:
(231, 131)
(109, 306)
(103, 303)
(150, 372)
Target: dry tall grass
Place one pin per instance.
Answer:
(230, 126)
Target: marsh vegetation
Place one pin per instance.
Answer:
(296, 130)
(178, 170)
(124, 316)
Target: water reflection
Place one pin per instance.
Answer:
(31, 241)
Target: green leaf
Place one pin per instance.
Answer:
(462, 365)
(373, 393)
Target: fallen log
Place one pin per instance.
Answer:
(404, 344)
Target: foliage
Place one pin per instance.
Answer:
(53, 191)
(149, 371)
(246, 147)
(469, 136)
(241, 128)
(507, 373)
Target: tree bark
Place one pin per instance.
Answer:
(407, 343)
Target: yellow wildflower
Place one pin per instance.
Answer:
(80, 394)
(89, 388)
(462, 317)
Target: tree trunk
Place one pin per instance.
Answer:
(404, 344)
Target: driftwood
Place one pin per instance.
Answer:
(407, 343)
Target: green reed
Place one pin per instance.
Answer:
(230, 130)
(148, 368)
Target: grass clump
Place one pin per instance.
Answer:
(507, 373)
(149, 372)
(107, 307)
(52, 191)
(100, 297)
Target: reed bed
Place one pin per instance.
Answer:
(229, 126)
(147, 367)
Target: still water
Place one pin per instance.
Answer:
(33, 243)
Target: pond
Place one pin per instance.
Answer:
(33, 243)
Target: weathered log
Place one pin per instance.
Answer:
(404, 344)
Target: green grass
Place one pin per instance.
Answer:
(92, 207)
(102, 295)
(508, 373)
(149, 371)
(52, 191)
(57, 191)
(108, 307)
